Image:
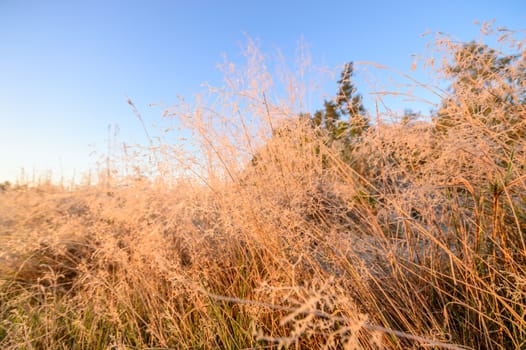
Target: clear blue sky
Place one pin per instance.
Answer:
(67, 67)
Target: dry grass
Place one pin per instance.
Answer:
(417, 242)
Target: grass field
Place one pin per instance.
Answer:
(415, 240)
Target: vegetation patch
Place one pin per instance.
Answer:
(286, 229)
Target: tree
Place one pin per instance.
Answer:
(349, 103)
(317, 119)
(346, 104)
(331, 117)
(486, 86)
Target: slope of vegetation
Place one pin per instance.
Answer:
(281, 231)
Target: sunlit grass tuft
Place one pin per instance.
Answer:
(264, 236)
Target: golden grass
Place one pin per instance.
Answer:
(418, 241)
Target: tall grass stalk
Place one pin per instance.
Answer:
(263, 236)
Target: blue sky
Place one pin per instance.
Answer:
(67, 67)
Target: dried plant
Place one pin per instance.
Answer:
(261, 235)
